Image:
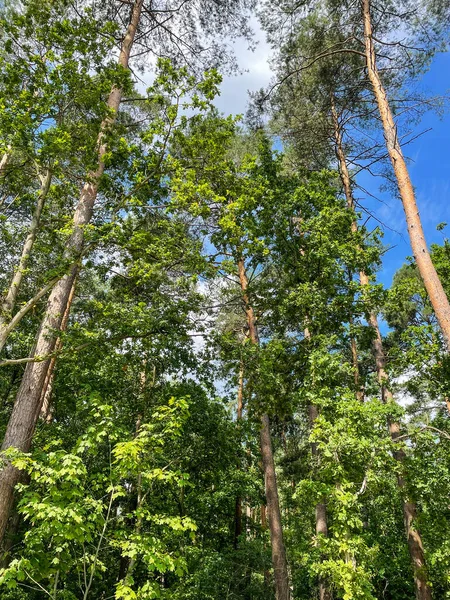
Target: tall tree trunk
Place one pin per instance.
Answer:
(419, 247)
(355, 363)
(279, 560)
(240, 394)
(11, 537)
(47, 389)
(321, 508)
(238, 506)
(10, 298)
(415, 546)
(346, 183)
(27, 407)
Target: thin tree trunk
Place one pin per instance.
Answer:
(263, 515)
(415, 546)
(47, 389)
(240, 394)
(238, 506)
(279, 560)
(321, 508)
(137, 529)
(355, 363)
(27, 407)
(419, 247)
(346, 183)
(127, 564)
(10, 298)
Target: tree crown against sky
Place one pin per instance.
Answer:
(219, 398)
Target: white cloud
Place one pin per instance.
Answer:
(256, 73)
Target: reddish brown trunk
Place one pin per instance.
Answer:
(263, 512)
(322, 529)
(419, 247)
(27, 407)
(415, 546)
(238, 507)
(321, 509)
(355, 363)
(347, 185)
(279, 560)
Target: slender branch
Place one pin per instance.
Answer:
(25, 309)
(97, 551)
(424, 428)
(310, 63)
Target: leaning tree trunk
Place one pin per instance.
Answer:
(21, 425)
(279, 560)
(415, 546)
(10, 298)
(433, 285)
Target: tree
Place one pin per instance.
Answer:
(355, 31)
(27, 406)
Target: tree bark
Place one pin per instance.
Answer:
(321, 508)
(432, 283)
(47, 389)
(238, 506)
(10, 298)
(279, 560)
(27, 407)
(346, 184)
(355, 363)
(240, 394)
(415, 546)
(4, 161)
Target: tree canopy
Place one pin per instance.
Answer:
(207, 391)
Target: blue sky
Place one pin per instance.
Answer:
(429, 166)
(429, 154)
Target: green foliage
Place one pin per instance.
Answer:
(143, 480)
(78, 512)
